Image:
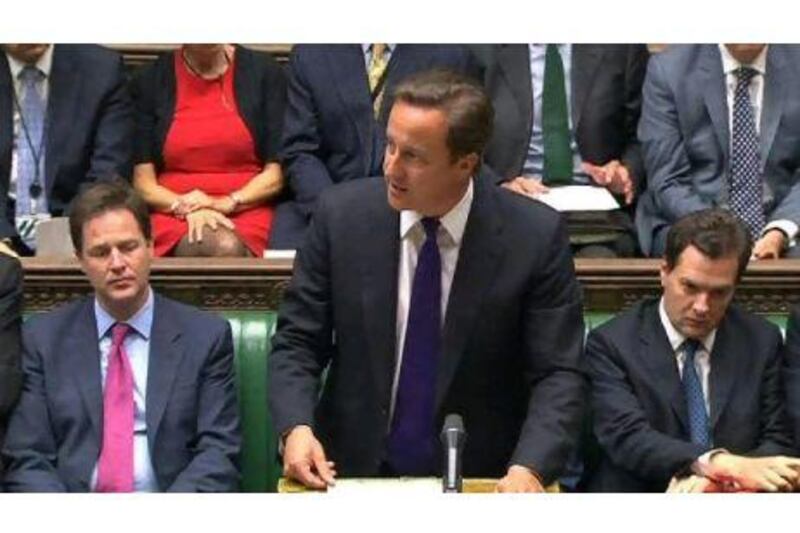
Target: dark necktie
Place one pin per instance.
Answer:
(411, 447)
(695, 402)
(555, 121)
(746, 192)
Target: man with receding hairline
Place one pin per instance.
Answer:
(685, 390)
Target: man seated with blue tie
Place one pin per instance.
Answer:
(685, 390)
(720, 127)
(66, 119)
(426, 293)
(125, 390)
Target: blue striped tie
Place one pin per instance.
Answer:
(411, 448)
(695, 402)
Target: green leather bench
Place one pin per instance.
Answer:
(252, 335)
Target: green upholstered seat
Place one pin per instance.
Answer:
(252, 334)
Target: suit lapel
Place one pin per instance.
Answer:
(659, 358)
(378, 265)
(349, 77)
(774, 83)
(712, 79)
(481, 250)
(586, 60)
(515, 65)
(166, 353)
(62, 103)
(84, 344)
(723, 371)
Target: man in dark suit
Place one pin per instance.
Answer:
(602, 84)
(10, 320)
(126, 390)
(65, 119)
(454, 297)
(720, 127)
(791, 373)
(338, 103)
(686, 391)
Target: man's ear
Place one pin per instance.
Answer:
(469, 163)
(663, 272)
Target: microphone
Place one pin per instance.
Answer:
(453, 437)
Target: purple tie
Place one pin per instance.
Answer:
(115, 467)
(412, 445)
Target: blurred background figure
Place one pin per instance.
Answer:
(208, 124)
(66, 119)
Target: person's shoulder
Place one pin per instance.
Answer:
(91, 55)
(61, 318)
(680, 57)
(750, 325)
(260, 58)
(354, 193)
(621, 326)
(10, 272)
(188, 316)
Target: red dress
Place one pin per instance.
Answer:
(208, 147)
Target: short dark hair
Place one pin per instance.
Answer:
(102, 197)
(468, 109)
(715, 232)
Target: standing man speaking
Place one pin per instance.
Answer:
(424, 294)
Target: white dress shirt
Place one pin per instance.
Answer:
(45, 64)
(756, 90)
(412, 236)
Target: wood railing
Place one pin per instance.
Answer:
(258, 284)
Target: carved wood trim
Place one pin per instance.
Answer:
(258, 284)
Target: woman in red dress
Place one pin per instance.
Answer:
(209, 120)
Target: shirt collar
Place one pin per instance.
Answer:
(730, 63)
(454, 222)
(45, 63)
(141, 321)
(676, 338)
(367, 47)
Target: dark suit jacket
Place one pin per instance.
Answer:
(331, 135)
(259, 87)
(54, 436)
(639, 409)
(685, 136)
(89, 126)
(511, 341)
(791, 374)
(10, 320)
(606, 81)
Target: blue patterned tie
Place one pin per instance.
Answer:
(695, 402)
(411, 448)
(30, 139)
(746, 190)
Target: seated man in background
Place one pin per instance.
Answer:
(66, 119)
(687, 388)
(338, 103)
(124, 390)
(10, 320)
(566, 115)
(406, 336)
(720, 127)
